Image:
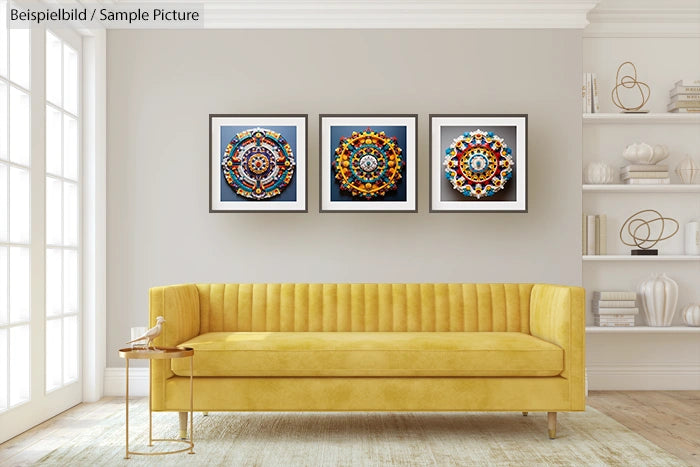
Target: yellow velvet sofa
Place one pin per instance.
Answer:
(371, 347)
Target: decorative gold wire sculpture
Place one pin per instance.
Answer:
(629, 81)
(638, 221)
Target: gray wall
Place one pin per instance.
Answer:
(163, 84)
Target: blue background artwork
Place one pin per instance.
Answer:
(342, 130)
(289, 133)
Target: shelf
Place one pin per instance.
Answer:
(643, 330)
(619, 188)
(640, 258)
(616, 118)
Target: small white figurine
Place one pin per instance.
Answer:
(151, 333)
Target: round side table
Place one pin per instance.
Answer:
(150, 354)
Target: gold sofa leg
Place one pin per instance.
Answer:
(183, 425)
(552, 424)
(525, 414)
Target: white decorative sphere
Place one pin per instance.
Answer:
(598, 173)
(691, 314)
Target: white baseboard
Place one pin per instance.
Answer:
(115, 382)
(643, 376)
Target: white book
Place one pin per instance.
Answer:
(603, 228)
(644, 168)
(614, 325)
(615, 295)
(685, 111)
(594, 81)
(615, 311)
(683, 105)
(686, 98)
(616, 303)
(622, 319)
(584, 235)
(684, 90)
(589, 93)
(648, 181)
(687, 82)
(628, 175)
(590, 235)
(583, 93)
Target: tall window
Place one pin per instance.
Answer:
(15, 220)
(62, 212)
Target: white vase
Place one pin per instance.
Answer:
(659, 296)
(687, 170)
(598, 173)
(691, 314)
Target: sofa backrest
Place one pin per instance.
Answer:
(364, 307)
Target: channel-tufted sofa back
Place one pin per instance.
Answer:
(364, 307)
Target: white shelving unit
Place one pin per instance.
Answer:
(641, 258)
(643, 330)
(655, 40)
(618, 188)
(623, 118)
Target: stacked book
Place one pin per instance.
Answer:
(614, 309)
(589, 94)
(685, 96)
(595, 235)
(639, 174)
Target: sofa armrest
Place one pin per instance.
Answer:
(179, 305)
(557, 315)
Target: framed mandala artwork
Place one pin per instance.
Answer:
(478, 163)
(368, 163)
(257, 163)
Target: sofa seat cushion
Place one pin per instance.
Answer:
(370, 354)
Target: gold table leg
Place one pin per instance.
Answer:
(127, 409)
(191, 404)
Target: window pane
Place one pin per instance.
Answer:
(19, 284)
(70, 281)
(53, 69)
(19, 364)
(54, 282)
(53, 354)
(70, 147)
(3, 203)
(19, 57)
(3, 287)
(19, 126)
(53, 141)
(3, 368)
(70, 349)
(70, 80)
(54, 211)
(3, 38)
(70, 214)
(19, 205)
(3, 119)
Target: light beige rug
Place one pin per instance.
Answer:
(357, 439)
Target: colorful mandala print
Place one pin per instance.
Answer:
(368, 164)
(478, 163)
(258, 164)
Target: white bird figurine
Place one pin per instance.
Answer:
(151, 333)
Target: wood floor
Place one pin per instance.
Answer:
(669, 419)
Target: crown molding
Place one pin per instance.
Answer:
(390, 14)
(644, 18)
